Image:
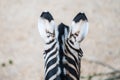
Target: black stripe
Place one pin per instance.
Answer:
(68, 77)
(71, 42)
(71, 53)
(51, 73)
(77, 50)
(51, 41)
(53, 53)
(50, 63)
(71, 71)
(80, 53)
(71, 62)
(58, 78)
(47, 51)
(79, 68)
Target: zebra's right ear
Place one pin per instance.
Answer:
(46, 25)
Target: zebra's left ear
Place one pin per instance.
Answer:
(79, 27)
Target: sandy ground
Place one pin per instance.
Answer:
(21, 43)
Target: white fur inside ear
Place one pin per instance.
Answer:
(83, 31)
(51, 26)
(41, 27)
(75, 27)
(82, 28)
(44, 25)
(66, 33)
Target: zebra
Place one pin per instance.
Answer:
(62, 54)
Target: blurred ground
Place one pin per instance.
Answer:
(20, 41)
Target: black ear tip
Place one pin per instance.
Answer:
(84, 16)
(80, 16)
(46, 15)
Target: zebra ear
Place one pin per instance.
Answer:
(46, 25)
(79, 27)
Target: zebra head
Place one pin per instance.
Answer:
(63, 53)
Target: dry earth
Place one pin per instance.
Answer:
(20, 41)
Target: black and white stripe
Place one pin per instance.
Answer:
(73, 59)
(52, 70)
(62, 53)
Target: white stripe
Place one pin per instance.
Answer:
(52, 57)
(47, 46)
(49, 53)
(74, 78)
(50, 68)
(72, 51)
(71, 65)
(54, 76)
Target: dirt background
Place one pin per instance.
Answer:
(21, 46)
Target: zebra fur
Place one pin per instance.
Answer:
(62, 52)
